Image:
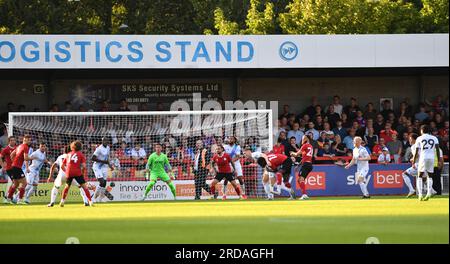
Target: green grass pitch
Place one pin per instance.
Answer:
(319, 220)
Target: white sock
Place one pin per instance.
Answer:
(54, 194)
(429, 186)
(267, 189)
(83, 195)
(408, 182)
(7, 186)
(363, 187)
(29, 191)
(278, 191)
(224, 189)
(98, 191)
(419, 184)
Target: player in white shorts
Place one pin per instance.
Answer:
(411, 171)
(427, 149)
(234, 150)
(268, 179)
(61, 180)
(361, 158)
(101, 169)
(38, 159)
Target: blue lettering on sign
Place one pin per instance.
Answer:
(159, 48)
(61, 50)
(183, 45)
(108, 51)
(97, 51)
(221, 50)
(34, 53)
(83, 45)
(12, 52)
(201, 52)
(241, 45)
(47, 51)
(136, 51)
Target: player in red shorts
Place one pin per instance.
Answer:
(306, 152)
(75, 167)
(18, 157)
(278, 164)
(6, 162)
(222, 165)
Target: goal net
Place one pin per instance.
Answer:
(132, 137)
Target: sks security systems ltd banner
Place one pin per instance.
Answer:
(206, 51)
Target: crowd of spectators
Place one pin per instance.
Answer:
(385, 133)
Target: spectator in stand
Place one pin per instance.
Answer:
(387, 109)
(371, 139)
(284, 139)
(346, 123)
(337, 106)
(348, 140)
(387, 132)
(360, 119)
(371, 112)
(296, 132)
(306, 118)
(439, 120)
(378, 148)
(123, 106)
(68, 106)
(332, 116)
(291, 121)
(326, 151)
(105, 107)
(439, 105)
(384, 158)
(369, 125)
(401, 127)
(311, 129)
(318, 122)
(395, 148)
(322, 139)
(292, 147)
(351, 109)
(339, 129)
(286, 111)
(115, 162)
(339, 148)
(391, 119)
(311, 110)
(318, 111)
(253, 144)
(379, 124)
(358, 130)
(421, 115)
(11, 107)
(327, 130)
(405, 142)
(138, 152)
(129, 134)
(404, 110)
(279, 147)
(443, 132)
(54, 108)
(284, 124)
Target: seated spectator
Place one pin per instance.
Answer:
(326, 151)
(346, 123)
(421, 115)
(369, 125)
(443, 132)
(384, 157)
(332, 116)
(387, 132)
(404, 110)
(439, 120)
(296, 132)
(379, 146)
(387, 109)
(359, 131)
(253, 145)
(379, 124)
(279, 148)
(284, 124)
(391, 119)
(327, 130)
(138, 152)
(370, 113)
(348, 140)
(313, 131)
(284, 139)
(286, 111)
(401, 126)
(339, 148)
(311, 110)
(318, 110)
(292, 147)
(115, 162)
(323, 139)
(439, 104)
(405, 142)
(318, 121)
(351, 109)
(395, 148)
(129, 134)
(339, 129)
(360, 119)
(291, 120)
(337, 106)
(371, 138)
(123, 106)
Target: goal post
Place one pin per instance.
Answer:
(132, 136)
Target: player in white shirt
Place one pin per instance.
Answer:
(234, 150)
(412, 171)
(38, 159)
(61, 179)
(101, 169)
(268, 179)
(361, 158)
(427, 149)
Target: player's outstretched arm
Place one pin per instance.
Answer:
(52, 169)
(95, 159)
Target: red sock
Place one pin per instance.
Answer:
(65, 191)
(213, 189)
(238, 190)
(11, 191)
(279, 178)
(303, 187)
(287, 184)
(21, 192)
(86, 191)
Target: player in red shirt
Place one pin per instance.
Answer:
(19, 156)
(306, 152)
(279, 164)
(75, 167)
(222, 165)
(6, 162)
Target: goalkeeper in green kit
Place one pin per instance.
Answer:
(157, 165)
